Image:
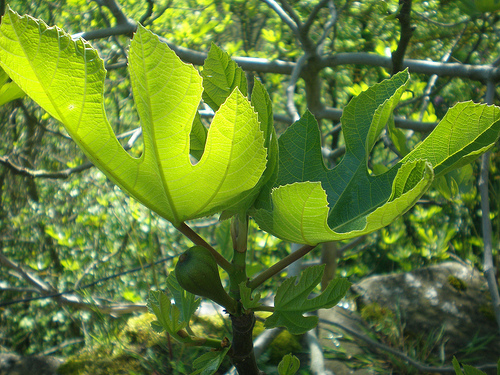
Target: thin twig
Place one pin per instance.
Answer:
(67, 296)
(158, 13)
(290, 90)
(31, 279)
(377, 345)
(122, 247)
(312, 16)
(123, 26)
(65, 173)
(279, 266)
(283, 15)
(5, 288)
(61, 346)
(440, 24)
(289, 10)
(198, 240)
(149, 12)
(327, 28)
(406, 33)
(433, 79)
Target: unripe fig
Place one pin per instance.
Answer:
(197, 272)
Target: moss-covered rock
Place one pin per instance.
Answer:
(284, 343)
(457, 283)
(101, 363)
(139, 350)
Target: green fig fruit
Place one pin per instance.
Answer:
(197, 272)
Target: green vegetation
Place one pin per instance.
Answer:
(176, 148)
(457, 283)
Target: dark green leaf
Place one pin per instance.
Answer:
(246, 297)
(292, 301)
(209, 363)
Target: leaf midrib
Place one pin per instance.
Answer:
(165, 187)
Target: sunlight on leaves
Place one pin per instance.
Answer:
(66, 78)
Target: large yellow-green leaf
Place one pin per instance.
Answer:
(66, 78)
(467, 131)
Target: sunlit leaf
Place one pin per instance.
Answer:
(9, 91)
(289, 365)
(66, 78)
(221, 76)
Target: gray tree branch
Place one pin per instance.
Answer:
(488, 265)
(123, 26)
(69, 299)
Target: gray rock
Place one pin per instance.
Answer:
(13, 364)
(450, 295)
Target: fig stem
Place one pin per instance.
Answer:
(205, 341)
(198, 240)
(239, 237)
(279, 266)
(239, 233)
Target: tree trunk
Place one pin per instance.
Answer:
(241, 353)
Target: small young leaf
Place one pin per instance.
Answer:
(246, 297)
(469, 370)
(209, 363)
(262, 104)
(292, 301)
(9, 91)
(289, 365)
(168, 316)
(456, 366)
(185, 301)
(221, 76)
